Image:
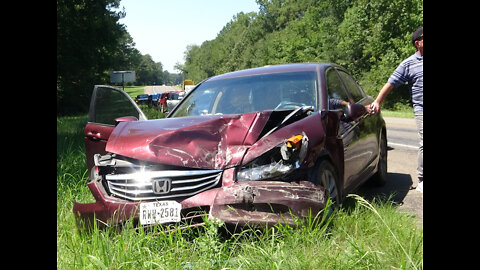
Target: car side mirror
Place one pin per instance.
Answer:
(353, 112)
(125, 119)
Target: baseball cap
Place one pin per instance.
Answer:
(417, 35)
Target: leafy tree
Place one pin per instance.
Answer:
(375, 36)
(278, 13)
(148, 72)
(192, 68)
(89, 41)
(369, 37)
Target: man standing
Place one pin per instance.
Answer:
(411, 71)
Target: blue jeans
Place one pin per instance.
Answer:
(419, 122)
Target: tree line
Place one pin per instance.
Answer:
(368, 37)
(91, 43)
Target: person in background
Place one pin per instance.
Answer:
(238, 101)
(409, 71)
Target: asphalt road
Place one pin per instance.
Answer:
(403, 145)
(156, 89)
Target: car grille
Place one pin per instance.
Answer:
(164, 184)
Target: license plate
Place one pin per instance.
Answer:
(159, 212)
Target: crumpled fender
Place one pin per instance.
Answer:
(311, 126)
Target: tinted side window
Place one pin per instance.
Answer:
(352, 86)
(111, 104)
(335, 90)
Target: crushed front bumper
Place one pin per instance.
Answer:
(254, 202)
(267, 202)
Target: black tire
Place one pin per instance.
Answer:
(325, 174)
(380, 177)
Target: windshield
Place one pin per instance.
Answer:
(279, 91)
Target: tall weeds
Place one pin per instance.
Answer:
(366, 235)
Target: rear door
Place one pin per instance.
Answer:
(107, 104)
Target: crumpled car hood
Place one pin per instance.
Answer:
(199, 142)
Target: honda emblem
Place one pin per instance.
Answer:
(161, 186)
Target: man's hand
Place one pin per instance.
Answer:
(373, 108)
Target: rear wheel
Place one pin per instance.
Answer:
(380, 177)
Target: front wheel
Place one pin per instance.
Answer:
(326, 175)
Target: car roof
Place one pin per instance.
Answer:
(295, 67)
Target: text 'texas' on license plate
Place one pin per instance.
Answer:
(159, 212)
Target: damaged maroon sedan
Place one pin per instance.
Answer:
(257, 146)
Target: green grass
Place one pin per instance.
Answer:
(133, 91)
(403, 111)
(401, 114)
(362, 235)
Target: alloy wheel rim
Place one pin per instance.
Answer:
(328, 182)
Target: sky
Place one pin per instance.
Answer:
(164, 28)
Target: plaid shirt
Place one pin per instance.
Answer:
(411, 71)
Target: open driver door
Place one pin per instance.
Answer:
(107, 105)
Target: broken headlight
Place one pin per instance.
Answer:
(279, 161)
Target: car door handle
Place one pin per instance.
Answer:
(94, 135)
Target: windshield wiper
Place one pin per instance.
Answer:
(294, 114)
